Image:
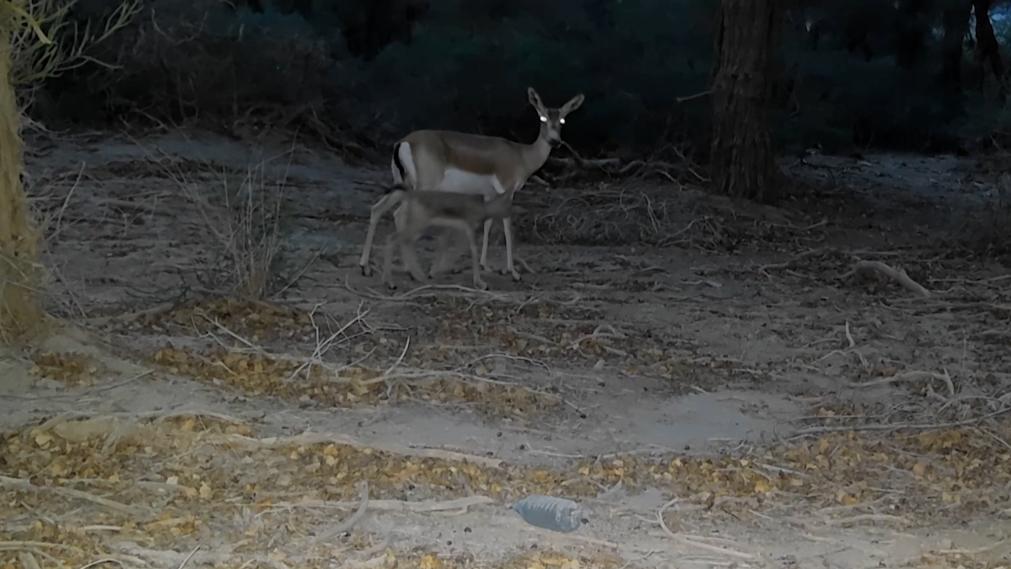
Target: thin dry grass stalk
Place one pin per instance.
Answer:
(246, 230)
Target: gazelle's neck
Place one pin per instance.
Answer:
(536, 153)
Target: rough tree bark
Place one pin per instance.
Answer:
(26, 47)
(742, 160)
(955, 20)
(20, 313)
(987, 48)
(912, 27)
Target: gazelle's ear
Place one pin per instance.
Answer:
(573, 104)
(535, 100)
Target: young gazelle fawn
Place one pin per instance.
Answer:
(421, 209)
(461, 163)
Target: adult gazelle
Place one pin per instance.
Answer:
(449, 161)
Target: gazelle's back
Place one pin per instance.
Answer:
(458, 162)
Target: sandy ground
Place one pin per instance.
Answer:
(703, 376)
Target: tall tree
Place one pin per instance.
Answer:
(19, 308)
(955, 22)
(987, 48)
(29, 55)
(743, 163)
(912, 28)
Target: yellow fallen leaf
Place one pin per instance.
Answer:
(42, 439)
(430, 561)
(847, 499)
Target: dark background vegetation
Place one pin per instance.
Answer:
(357, 73)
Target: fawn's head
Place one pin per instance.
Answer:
(553, 119)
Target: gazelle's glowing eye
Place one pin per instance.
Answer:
(544, 119)
(561, 121)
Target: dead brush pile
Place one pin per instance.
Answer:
(660, 215)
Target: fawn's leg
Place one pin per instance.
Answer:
(475, 266)
(484, 244)
(410, 257)
(443, 248)
(468, 230)
(388, 262)
(408, 231)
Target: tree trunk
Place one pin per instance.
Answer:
(911, 30)
(742, 160)
(987, 48)
(955, 19)
(19, 269)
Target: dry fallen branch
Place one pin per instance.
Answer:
(698, 95)
(26, 486)
(353, 519)
(973, 551)
(898, 275)
(186, 560)
(900, 426)
(694, 541)
(421, 507)
(337, 438)
(21, 545)
(909, 376)
(863, 518)
(28, 560)
(173, 558)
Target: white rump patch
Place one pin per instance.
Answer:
(407, 160)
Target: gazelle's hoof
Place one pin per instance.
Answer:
(516, 276)
(365, 270)
(391, 286)
(480, 285)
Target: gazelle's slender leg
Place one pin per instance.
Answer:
(507, 227)
(408, 236)
(410, 257)
(484, 244)
(388, 262)
(468, 230)
(475, 267)
(376, 213)
(442, 246)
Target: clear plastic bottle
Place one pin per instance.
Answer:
(548, 512)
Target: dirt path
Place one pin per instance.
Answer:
(673, 355)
